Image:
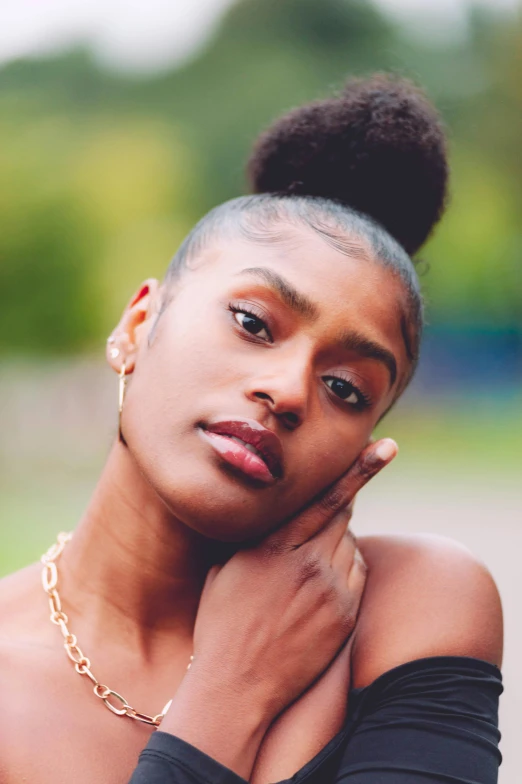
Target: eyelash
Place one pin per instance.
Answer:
(244, 309)
(363, 399)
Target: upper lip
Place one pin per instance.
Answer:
(252, 432)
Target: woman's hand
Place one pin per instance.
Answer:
(272, 619)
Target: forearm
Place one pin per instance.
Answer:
(227, 724)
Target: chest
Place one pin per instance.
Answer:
(55, 750)
(54, 729)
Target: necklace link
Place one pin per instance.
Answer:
(82, 664)
(103, 692)
(49, 576)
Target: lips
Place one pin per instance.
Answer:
(261, 441)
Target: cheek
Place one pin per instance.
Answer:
(188, 357)
(197, 368)
(332, 452)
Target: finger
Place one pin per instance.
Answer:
(351, 573)
(341, 493)
(355, 572)
(357, 575)
(327, 540)
(344, 554)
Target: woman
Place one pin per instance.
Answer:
(250, 382)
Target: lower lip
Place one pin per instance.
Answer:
(238, 456)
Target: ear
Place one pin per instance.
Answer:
(124, 342)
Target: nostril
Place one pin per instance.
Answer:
(263, 396)
(290, 419)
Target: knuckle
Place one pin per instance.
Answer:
(370, 465)
(332, 500)
(310, 568)
(349, 620)
(364, 470)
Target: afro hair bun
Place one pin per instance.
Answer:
(378, 147)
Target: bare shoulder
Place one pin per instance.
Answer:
(425, 595)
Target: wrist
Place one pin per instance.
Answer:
(224, 721)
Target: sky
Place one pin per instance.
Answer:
(147, 35)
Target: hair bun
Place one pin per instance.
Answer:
(378, 147)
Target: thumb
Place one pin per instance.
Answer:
(336, 497)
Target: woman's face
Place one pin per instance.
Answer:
(296, 336)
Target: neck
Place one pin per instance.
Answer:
(133, 574)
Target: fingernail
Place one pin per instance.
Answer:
(386, 450)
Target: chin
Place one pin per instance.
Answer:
(217, 504)
(221, 523)
(209, 497)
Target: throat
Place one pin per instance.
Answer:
(132, 575)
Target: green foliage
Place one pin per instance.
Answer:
(102, 174)
(92, 209)
(475, 273)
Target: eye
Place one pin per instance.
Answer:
(347, 391)
(251, 323)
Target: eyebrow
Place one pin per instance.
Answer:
(296, 301)
(350, 340)
(354, 341)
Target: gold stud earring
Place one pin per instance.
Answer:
(121, 391)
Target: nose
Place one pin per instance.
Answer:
(285, 390)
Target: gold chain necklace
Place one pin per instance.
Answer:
(111, 699)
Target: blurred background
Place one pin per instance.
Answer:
(121, 124)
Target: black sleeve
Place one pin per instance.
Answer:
(431, 720)
(169, 760)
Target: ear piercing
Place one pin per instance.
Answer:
(114, 352)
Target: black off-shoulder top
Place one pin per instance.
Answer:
(430, 720)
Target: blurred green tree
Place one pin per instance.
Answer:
(104, 173)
